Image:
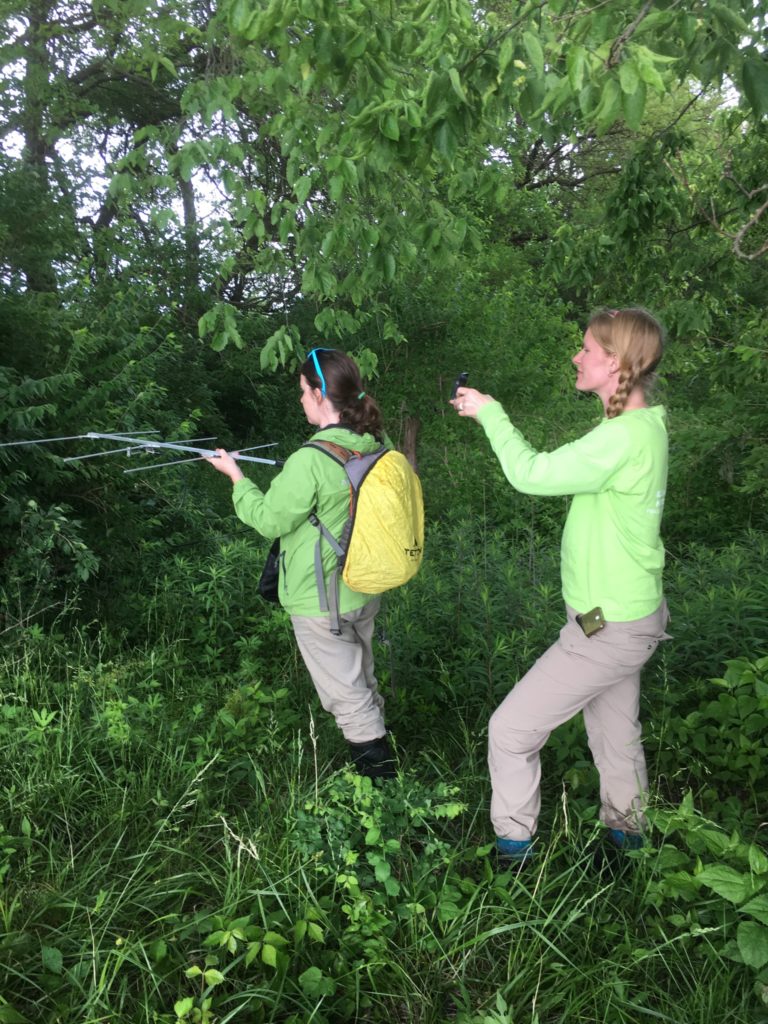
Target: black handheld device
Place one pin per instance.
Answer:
(460, 382)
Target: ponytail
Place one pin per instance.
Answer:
(344, 389)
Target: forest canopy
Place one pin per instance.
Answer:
(192, 195)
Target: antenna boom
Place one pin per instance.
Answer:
(206, 453)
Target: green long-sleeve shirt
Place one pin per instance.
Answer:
(309, 481)
(611, 553)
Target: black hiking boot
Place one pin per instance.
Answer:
(374, 758)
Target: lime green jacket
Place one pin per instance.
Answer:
(309, 481)
(611, 553)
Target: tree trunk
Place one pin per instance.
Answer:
(410, 432)
(36, 263)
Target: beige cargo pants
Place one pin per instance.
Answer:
(599, 676)
(342, 670)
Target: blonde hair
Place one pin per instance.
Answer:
(637, 340)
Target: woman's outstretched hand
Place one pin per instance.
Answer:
(226, 465)
(469, 401)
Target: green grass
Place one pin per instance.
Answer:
(181, 839)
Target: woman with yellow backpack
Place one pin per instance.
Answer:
(314, 488)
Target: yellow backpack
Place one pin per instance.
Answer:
(382, 542)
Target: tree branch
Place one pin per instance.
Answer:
(626, 35)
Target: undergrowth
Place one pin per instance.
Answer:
(181, 839)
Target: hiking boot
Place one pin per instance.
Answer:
(516, 851)
(626, 840)
(373, 759)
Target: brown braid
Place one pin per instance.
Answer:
(636, 339)
(618, 399)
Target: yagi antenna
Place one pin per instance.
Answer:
(199, 458)
(73, 437)
(139, 441)
(118, 451)
(206, 453)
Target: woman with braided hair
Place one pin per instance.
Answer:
(611, 565)
(340, 661)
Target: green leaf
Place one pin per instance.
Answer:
(453, 75)
(755, 80)
(10, 1016)
(588, 98)
(302, 189)
(726, 882)
(655, 20)
(435, 92)
(183, 1006)
(633, 106)
(753, 943)
(758, 862)
(269, 955)
(336, 187)
(629, 77)
(650, 75)
(609, 107)
(730, 20)
(445, 140)
(315, 984)
(575, 62)
(258, 200)
(158, 950)
(356, 46)
(53, 960)
(391, 887)
(213, 977)
(757, 908)
(534, 51)
(506, 55)
(716, 842)
(241, 16)
(451, 809)
(389, 127)
(382, 870)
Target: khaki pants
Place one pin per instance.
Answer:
(599, 676)
(341, 668)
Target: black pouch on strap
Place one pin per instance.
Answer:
(270, 574)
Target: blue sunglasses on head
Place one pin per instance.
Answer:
(312, 355)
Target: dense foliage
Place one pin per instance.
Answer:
(190, 195)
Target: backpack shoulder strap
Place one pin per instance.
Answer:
(336, 451)
(328, 598)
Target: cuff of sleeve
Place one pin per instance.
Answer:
(242, 487)
(490, 413)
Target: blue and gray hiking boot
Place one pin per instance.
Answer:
(514, 850)
(626, 840)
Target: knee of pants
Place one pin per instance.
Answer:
(503, 736)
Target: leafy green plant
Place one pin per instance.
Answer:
(714, 890)
(722, 743)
